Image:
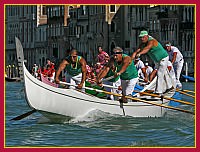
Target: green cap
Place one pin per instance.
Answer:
(143, 33)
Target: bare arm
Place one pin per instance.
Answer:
(127, 60)
(83, 69)
(102, 74)
(134, 53)
(174, 57)
(147, 48)
(101, 71)
(145, 74)
(152, 75)
(61, 67)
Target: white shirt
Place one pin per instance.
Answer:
(149, 70)
(139, 65)
(179, 56)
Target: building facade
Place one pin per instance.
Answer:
(52, 31)
(24, 21)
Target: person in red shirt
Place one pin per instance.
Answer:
(98, 68)
(102, 57)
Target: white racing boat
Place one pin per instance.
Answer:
(48, 100)
(73, 103)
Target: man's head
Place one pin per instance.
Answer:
(168, 46)
(100, 49)
(48, 61)
(117, 54)
(73, 55)
(144, 36)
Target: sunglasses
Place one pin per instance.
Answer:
(73, 56)
(117, 53)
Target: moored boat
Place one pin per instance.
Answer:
(12, 79)
(188, 78)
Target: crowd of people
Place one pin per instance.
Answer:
(47, 71)
(120, 70)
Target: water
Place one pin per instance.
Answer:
(175, 129)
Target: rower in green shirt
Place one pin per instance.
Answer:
(75, 69)
(160, 57)
(126, 70)
(109, 71)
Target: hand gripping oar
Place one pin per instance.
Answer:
(106, 79)
(155, 95)
(185, 93)
(24, 115)
(102, 91)
(136, 99)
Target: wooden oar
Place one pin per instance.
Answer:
(106, 79)
(155, 95)
(24, 115)
(148, 102)
(105, 85)
(185, 93)
(136, 99)
(161, 105)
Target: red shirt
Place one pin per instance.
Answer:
(103, 58)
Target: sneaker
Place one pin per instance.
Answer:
(168, 90)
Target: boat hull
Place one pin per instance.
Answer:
(73, 103)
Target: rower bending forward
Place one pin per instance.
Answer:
(126, 70)
(160, 57)
(75, 69)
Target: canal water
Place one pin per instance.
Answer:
(97, 129)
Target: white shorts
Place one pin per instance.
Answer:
(128, 86)
(116, 91)
(74, 80)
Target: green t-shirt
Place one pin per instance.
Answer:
(156, 53)
(131, 71)
(111, 73)
(76, 70)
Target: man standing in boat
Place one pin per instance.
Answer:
(126, 70)
(160, 57)
(75, 69)
(177, 61)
